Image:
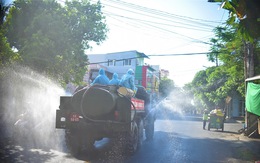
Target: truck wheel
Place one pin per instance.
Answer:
(132, 142)
(89, 143)
(149, 130)
(140, 133)
(73, 143)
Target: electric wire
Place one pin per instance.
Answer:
(155, 22)
(137, 27)
(156, 12)
(155, 55)
(161, 17)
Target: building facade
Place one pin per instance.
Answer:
(120, 62)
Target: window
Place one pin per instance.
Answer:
(111, 62)
(127, 62)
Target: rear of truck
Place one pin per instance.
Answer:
(95, 112)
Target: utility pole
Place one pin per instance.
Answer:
(249, 59)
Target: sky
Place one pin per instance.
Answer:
(162, 27)
(159, 27)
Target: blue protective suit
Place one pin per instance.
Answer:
(101, 78)
(114, 80)
(128, 80)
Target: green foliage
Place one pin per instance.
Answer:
(199, 87)
(3, 9)
(247, 12)
(7, 56)
(52, 38)
(213, 85)
(165, 87)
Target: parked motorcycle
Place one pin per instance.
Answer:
(22, 130)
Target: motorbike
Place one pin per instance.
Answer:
(25, 131)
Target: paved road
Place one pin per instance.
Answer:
(186, 141)
(174, 141)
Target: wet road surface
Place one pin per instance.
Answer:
(174, 141)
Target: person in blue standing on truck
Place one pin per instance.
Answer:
(101, 78)
(114, 80)
(128, 80)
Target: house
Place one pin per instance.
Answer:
(120, 62)
(235, 106)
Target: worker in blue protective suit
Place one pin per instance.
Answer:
(128, 80)
(101, 78)
(114, 80)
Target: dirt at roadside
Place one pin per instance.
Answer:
(247, 148)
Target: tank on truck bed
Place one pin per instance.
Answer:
(99, 111)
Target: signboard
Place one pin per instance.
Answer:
(139, 104)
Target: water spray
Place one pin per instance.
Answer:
(36, 97)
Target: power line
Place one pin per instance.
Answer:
(165, 24)
(169, 31)
(156, 12)
(180, 54)
(157, 15)
(156, 55)
(139, 27)
(149, 25)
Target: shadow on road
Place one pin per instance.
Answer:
(11, 152)
(165, 147)
(229, 132)
(106, 150)
(174, 147)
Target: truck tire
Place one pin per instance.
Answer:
(140, 133)
(89, 143)
(149, 130)
(73, 143)
(132, 140)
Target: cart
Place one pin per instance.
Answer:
(216, 122)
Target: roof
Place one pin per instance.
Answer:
(103, 58)
(142, 55)
(149, 67)
(253, 78)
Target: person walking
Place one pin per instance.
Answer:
(205, 118)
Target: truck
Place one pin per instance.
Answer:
(106, 111)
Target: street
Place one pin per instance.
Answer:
(174, 141)
(186, 141)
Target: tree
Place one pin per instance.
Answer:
(229, 46)
(7, 56)
(165, 87)
(213, 85)
(199, 87)
(52, 38)
(3, 9)
(246, 13)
